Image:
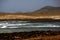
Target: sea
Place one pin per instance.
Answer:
(20, 26)
(23, 24)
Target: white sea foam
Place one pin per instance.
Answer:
(24, 24)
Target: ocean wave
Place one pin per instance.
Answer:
(20, 25)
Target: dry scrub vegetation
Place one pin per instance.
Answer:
(28, 16)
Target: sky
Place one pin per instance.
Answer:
(26, 5)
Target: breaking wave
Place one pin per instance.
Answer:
(21, 24)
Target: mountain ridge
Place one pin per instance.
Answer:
(45, 12)
(48, 9)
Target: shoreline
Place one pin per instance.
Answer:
(28, 29)
(33, 35)
(33, 20)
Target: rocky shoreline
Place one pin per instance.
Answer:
(32, 20)
(33, 35)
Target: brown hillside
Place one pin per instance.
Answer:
(46, 12)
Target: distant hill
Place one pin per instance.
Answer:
(48, 10)
(45, 12)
